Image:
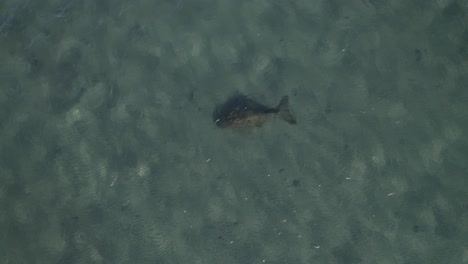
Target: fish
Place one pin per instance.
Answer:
(241, 112)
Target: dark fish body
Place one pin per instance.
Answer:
(241, 112)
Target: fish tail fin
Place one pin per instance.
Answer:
(283, 110)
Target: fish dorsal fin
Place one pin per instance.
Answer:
(284, 112)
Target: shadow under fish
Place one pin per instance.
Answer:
(241, 112)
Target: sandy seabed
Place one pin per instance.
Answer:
(109, 154)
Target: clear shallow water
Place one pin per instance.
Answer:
(109, 153)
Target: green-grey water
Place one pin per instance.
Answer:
(109, 153)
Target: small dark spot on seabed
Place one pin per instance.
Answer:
(35, 64)
(54, 152)
(418, 54)
(137, 30)
(329, 109)
(296, 183)
(191, 96)
(281, 170)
